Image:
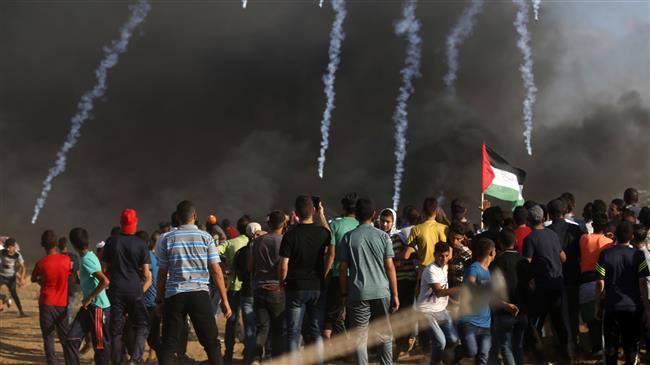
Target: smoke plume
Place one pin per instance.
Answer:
(112, 53)
(536, 4)
(526, 68)
(336, 39)
(461, 30)
(408, 26)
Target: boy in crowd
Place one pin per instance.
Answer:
(367, 253)
(474, 328)
(306, 259)
(425, 236)
(511, 318)
(73, 279)
(432, 303)
(406, 274)
(153, 338)
(622, 293)
(12, 273)
(268, 300)
(52, 273)
(544, 251)
(334, 323)
(94, 315)
(127, 262)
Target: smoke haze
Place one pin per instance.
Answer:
(223, 107)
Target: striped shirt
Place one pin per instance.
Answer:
(187, 254)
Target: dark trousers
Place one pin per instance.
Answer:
(334, 316)
(269, 316)
(406, 295)
(301, 304)
(10, 282)
(153, 337)
(96, 321)
(238, 301)
(621, 329)
(123, 304)
(573, 310)
(53, 318)
(553, 303)
(175, 310)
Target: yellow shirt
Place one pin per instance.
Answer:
(424, 238)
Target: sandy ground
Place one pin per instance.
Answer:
(21, 342)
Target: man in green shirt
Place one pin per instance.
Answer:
(94, 315)
(334, 322)
(366, 254)
(228, 249)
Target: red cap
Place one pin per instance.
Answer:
(129, 221)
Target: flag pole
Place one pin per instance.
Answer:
(482, 207)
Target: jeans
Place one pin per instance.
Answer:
(621, 329)
(552, 302)
(175, 309)
(53, 318)
(238, 301)
(96, 321)
(441, 332)
(299, 303)
(269, 315)
(477, 342)
(123, 304)
(360, 315)
(510, 332)
(10, 282)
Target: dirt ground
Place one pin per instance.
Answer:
(21, 342)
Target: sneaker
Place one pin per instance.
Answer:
(23, 315)
(9, 302)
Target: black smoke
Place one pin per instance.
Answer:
(222, 106)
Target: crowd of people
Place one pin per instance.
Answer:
(497, 292)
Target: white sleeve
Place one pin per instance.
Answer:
(437, 276)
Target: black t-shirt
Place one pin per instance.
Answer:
(305, 246)
(74, 258)
(492, 235)
(240, 269)
(543, 247)
(126, 255)
(516, 272)
(621, 267)
(569, 235)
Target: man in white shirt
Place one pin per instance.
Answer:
(432, 302)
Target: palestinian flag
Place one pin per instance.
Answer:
(500, 179)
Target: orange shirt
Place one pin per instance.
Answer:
(590, 246)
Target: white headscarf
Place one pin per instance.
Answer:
(393, 230)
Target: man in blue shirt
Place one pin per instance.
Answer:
(623, 273)
(367, 254)
(190, 257)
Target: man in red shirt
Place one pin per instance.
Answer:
(520, 215)
(51, 273)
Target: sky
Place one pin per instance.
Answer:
(222, 105)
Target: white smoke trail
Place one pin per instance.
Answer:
(336, 39)
(320, 3)
(243, 3)
(407, 26)
(112, 52)
(526, 68)
(536, 4)
(461, 30)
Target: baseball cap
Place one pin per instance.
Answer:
(253, 228)
(129, 221)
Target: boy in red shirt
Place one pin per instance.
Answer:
(51, 273)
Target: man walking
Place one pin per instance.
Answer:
(367, 253)
(189, 256)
